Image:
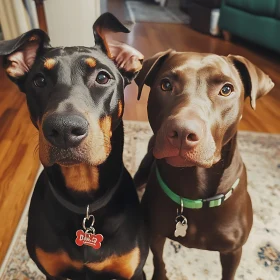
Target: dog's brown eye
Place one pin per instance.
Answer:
(39, 81)
(166, 85)
(102, 78)
(226, 90)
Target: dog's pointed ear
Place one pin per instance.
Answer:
(150, 68)
(256, 82)
(20, 53)
(128, 60)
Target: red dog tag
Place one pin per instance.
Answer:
(89, 239)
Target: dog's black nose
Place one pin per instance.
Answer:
(65, 131)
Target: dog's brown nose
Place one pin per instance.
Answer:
(184, 134)
(64, 130)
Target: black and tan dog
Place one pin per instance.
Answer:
(193, 166)
(84, 218)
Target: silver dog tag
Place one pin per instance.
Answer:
(181, 221)
(181, 226)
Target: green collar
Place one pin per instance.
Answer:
(214, 201)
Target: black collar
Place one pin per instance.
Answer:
(96, 205)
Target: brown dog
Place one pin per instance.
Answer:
(193, 165)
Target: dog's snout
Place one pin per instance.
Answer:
(184, 134)
(64, 130)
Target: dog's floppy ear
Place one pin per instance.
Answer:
(128, 60)
(20, 53)
(256, 82)
(150, 67)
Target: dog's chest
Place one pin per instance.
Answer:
(218, 237)
(122, 265)
(193, 237)
(57, 263)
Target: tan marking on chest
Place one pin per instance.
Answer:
(81, 177)
(120, 108)
(56, 263)
(49, 63)
(124, 265)
(91, 62)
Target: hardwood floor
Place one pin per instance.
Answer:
(19, 162)
(18, 138)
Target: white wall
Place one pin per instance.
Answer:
(70, 21)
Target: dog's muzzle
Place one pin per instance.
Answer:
(64, 130)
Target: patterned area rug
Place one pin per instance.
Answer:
(261, 254)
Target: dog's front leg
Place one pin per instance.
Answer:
(230, 262)
(157, 244)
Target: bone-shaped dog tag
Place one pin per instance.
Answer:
(181, 226)
(88, 236)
